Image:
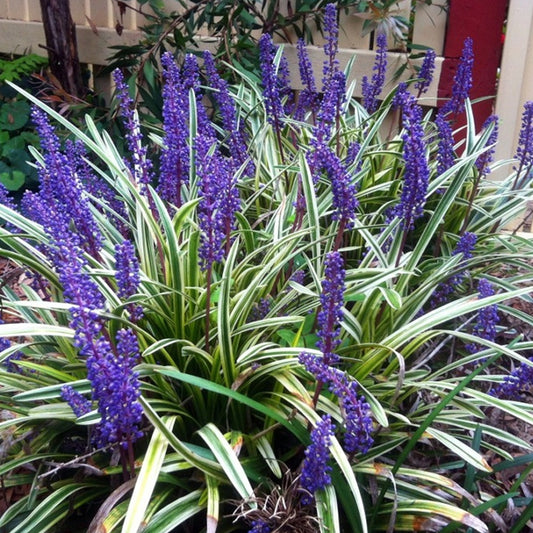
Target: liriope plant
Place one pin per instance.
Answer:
(287, 322)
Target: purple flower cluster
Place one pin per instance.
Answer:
(175, 158)
(402, 96)
(331, 300)
(342, 187)
(271, 84)
(355, 409)
(464, 246)
(62, 204)
(445, 152)
(315, 469)
(219, 201)
(524, 150)
(372, 89)
(77, 402)
(462, 81)
(425, 75)
(327, 114)
(487, 317)
(141, 166)
(308, 98)
(485, 159)
(191, 80)
(517, 384)
(331, 44)
(116, 388)
(127, 276)
(236, 142)
(416, 174)
(259, 526)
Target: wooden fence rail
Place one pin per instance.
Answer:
(21, 32)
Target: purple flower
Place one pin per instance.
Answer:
(517, 384)
(402, 97)
(327, 114)
(116, 387)
(464, 246)
(5, 198)
(64, 206)
(259, 526)
(271, 92)
(462, 81)
(416, 174)
(236, 143)
(141, 166)
(77, 402)
(127, 275)
(343, 190)
(372, 89)
(356, 412)
(487, 317)
(425, 75)
(175, 152)
(308, 98)
(524, 150)
(219, 202)
(355, 409)
(354, 149)
(445, 153)
(484, 160)
(315, 469)
(331, 300)
(190, 75)
(331, 44)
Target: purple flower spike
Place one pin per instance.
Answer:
(331, 299)
(62, 205)
(486, 158)
(175, 155)
(315, 469)
(517, 384)
(462, 81)
(77, 402)
(191, 80)
(219, 202)
(416, 176)
(116, 387)
(141, 167)
(445, 153)
(343, 190)
(487, 317)
(402, 96)
(331, 45)
(356, 412)
(237, 145)
(425, 75)
(524, 150)
(308, 98)
(259, 526)
(271, 93)
(464, 246)
(372, 89)
(127, 276)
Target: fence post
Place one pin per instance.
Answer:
(516, 76)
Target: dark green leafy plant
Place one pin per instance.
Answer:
(16, 132)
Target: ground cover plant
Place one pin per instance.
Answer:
(295, 321)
